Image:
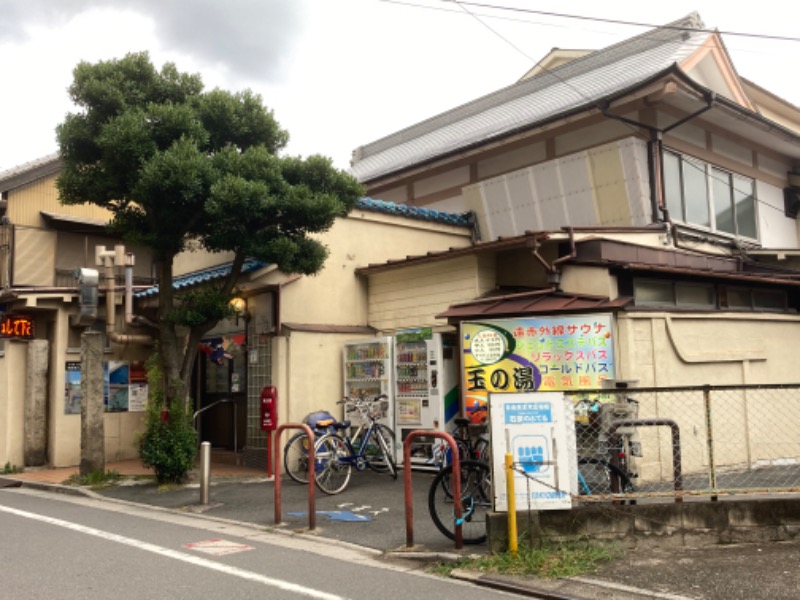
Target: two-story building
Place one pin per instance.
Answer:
(637, 210)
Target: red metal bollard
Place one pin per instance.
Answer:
(457, 508)
(312, 514)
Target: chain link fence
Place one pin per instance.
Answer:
(708, 440)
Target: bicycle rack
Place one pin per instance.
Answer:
(407, 483)
(677, 468)
(312, 514)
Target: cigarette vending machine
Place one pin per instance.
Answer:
(426, 389)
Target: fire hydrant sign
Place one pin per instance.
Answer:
(538, 430)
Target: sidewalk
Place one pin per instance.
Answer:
(370, 513)
(126, 468)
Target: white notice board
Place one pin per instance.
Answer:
(540, 429)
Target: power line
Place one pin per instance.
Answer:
(622, 22)
(551, 73)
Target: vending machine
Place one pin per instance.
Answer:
(368, 372)
(427, 394)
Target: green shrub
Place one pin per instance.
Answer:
(168, 447)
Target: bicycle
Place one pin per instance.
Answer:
(476, 488)
(469, 446)
(371, 446)
(295, 452)
(476, 501)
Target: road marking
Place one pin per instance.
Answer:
(218, 547)
(187, 558)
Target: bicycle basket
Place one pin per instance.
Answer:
(380, 409)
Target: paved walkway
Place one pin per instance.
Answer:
(129, 468)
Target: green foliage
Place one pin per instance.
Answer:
(175, 163)
(9, 469)
(95, 479)
(200, 306)
(549, 561)
(168, 447)
(183, 168)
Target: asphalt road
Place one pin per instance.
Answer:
(719, 572)
(76, 548)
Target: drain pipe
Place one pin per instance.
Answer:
(554, 269)
(107, 258)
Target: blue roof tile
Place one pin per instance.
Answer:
(204, 276)
(464, 219)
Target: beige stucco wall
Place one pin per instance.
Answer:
(64, 430)
(336, 295)
(748, 427)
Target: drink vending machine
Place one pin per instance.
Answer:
(368, 372)
(427, 393)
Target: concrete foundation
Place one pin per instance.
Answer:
(694, 523)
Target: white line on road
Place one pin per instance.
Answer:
(187, 558)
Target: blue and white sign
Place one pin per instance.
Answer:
(538, 429)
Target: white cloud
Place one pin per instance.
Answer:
(337, 73)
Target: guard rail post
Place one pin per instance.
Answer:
(312, 514)
(457, 508)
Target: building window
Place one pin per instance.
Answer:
(652, 292)
(701, 194)
(665, 293)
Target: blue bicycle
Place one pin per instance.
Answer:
(371, 446)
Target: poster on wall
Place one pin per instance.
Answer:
(138, 389)
(124, 387)
(72, 396)
(137, 397)
(535, 354)
(118, 382)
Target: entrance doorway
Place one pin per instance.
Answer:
(221, 398)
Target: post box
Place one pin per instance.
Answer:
(269, 408)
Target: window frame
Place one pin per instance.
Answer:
(712, 181)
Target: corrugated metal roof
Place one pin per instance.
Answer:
(30, 171)
(191, 279)
(542, 301)
(579, 83)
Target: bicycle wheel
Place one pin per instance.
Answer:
(295, 457)
(379, 452)
(476, 501)
(332, 467)
(595, 477)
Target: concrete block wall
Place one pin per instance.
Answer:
(693, 523)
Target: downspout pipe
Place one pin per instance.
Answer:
(554, 269)
(655, 149)
(107, 259)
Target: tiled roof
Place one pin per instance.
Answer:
(578, 84)
(204, 276)
(412, 212)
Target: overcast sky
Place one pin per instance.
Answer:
(342, 73)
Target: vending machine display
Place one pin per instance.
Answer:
(368, 372)
(426, 383)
